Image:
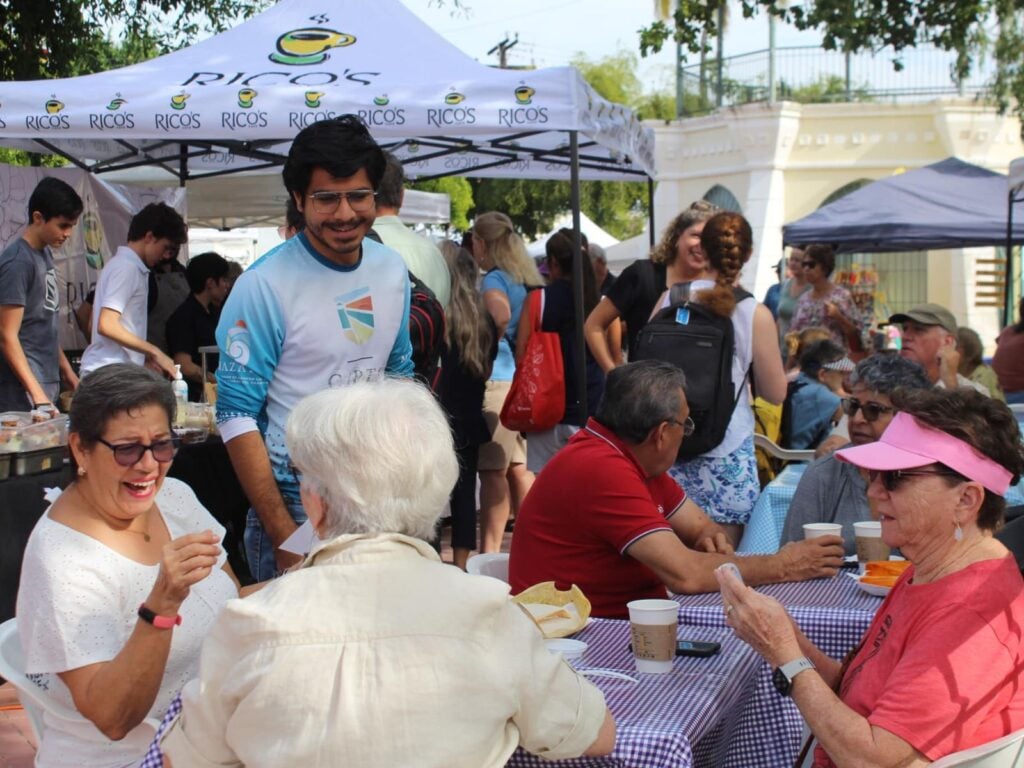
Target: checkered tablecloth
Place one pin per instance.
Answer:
(677, 720)
(833, 613)
(764, 529)
(659, 718)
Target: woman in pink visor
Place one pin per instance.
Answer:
(940, 668)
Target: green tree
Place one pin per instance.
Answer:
(63, 38)
(458, 190)
(968, 28)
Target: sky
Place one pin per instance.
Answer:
(551, 32)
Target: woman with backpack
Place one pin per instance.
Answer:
(509, 273)
(677, 258)
(558, 314)
(723, 481)
(470, 346)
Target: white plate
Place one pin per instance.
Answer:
(872, 589)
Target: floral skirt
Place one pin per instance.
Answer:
(725, 487)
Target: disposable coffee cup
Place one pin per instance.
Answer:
(653, 625)
(868, 535)
(814, 530)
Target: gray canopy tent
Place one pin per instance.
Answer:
(949, 204)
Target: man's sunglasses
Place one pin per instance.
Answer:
(808, 264)
(359, 200)
(871, 411)
(129, 454)
(892, 479)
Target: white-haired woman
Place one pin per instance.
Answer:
(374, 647)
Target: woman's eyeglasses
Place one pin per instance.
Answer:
(871, 411)
(688, 425)
(359, 200)
(893, 478)
(129, 454)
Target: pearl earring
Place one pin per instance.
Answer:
(81, 471)
(958, 534)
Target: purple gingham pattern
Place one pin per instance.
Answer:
(834, 614)
(662, 717)
(154, 757)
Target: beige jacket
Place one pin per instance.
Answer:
(377, 654)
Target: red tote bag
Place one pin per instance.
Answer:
(536, 399)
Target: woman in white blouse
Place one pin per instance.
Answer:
(122, 576)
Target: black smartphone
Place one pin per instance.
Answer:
(696, 648)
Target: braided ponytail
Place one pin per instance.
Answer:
(727, 242)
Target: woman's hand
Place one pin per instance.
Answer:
(183, 562)
(758, 619)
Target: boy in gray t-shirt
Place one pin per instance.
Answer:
(31, 359)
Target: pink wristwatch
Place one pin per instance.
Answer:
(158, 621)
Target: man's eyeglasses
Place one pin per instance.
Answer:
(688, 425)
(871, 411)
(892, 479)
(808, 264)
(129, 454)
(359, 200)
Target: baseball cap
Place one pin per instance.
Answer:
(927, 314)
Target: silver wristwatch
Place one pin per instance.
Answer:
(782, 677)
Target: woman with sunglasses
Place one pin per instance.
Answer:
(122, 576)
(833, 491)
(939, 668)
(827, 305)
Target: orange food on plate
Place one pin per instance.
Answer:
(886, 567)
(879, 581)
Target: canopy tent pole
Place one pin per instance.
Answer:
(650, 210)
(183, 165)
(580, 361)
(1008, 275)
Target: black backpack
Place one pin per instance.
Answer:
(700, 343)
(426, 331)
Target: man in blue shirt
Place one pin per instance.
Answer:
(324, 309)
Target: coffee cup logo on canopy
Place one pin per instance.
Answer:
(302, 47)
(116, 103)
(245, 97)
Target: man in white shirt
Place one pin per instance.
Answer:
(119, 313)
(420, 255)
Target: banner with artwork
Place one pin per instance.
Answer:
(102, 227)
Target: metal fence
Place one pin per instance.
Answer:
(813, 74)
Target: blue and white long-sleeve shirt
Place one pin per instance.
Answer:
(296, 323)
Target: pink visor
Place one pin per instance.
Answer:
(906, 443)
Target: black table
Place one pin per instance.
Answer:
(205, 467)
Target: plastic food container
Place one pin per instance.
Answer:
(34, 462)
(20, 434)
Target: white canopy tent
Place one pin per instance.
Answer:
(258, 198)
(234, 102)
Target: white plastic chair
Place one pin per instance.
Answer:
(37, 700)
(1007, 752)
(785, 454)
(493, 564)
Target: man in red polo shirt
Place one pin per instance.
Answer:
(604, 515)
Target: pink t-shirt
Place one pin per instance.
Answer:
(940, 666)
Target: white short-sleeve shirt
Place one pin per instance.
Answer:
(77, 606)
(123, 287)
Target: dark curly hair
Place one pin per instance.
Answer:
(665, 251)
(341, 146)
(984, 423)
(727, 242)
